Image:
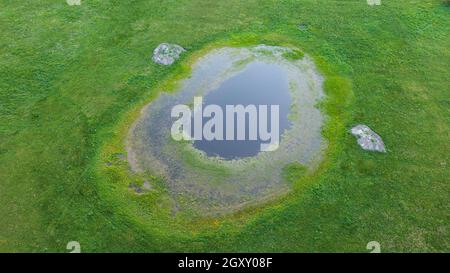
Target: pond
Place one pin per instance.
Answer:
(217, 176)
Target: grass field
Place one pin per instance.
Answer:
(71, 75)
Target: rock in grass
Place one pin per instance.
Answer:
(166, 54)
(368, 139)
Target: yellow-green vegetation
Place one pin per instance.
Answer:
(73, 78)
(294, 171)
(294, 55)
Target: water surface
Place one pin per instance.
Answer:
(258, 84)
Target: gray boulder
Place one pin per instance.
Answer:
(166, 54)
(368, 139)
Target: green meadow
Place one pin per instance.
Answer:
(73, 79)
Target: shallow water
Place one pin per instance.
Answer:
(258, 84)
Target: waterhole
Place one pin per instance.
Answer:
(213, 177)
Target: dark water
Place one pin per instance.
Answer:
(258, 84)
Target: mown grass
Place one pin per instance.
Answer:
(71, 75)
